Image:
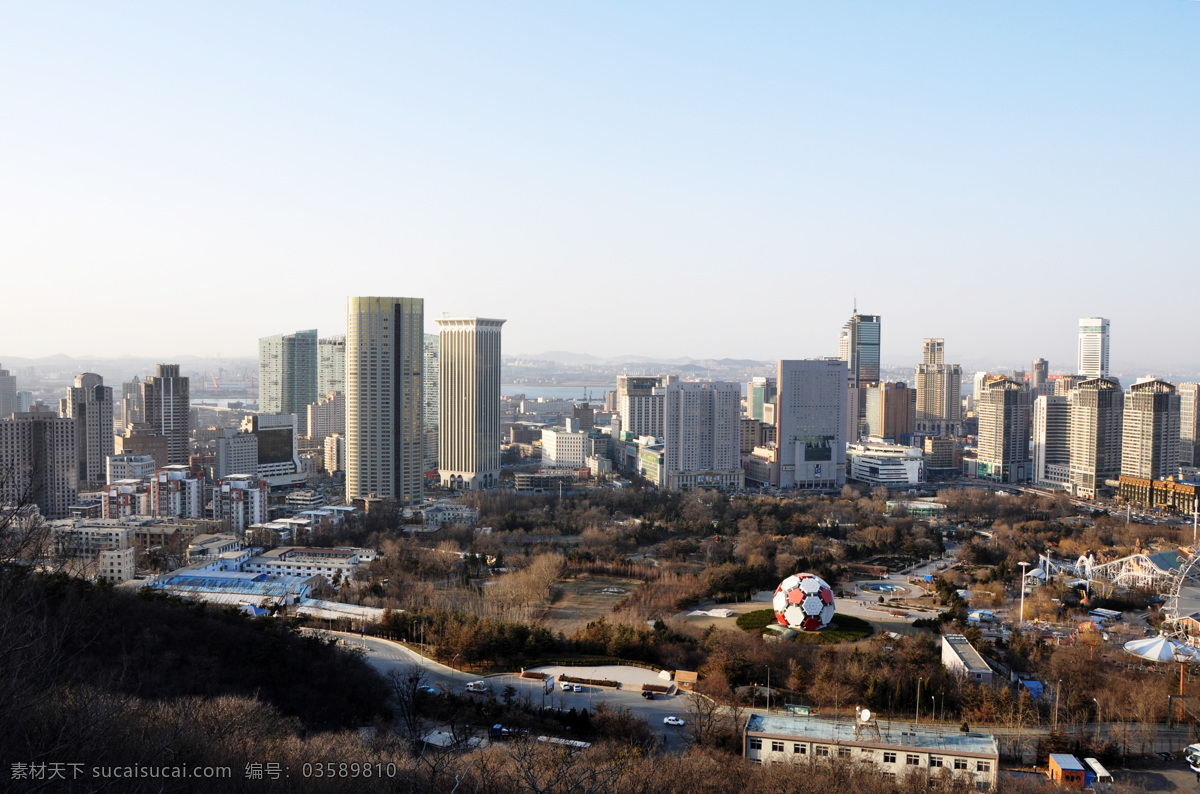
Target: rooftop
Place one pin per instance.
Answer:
(965, 651)
(842, 731)
(1065, 761)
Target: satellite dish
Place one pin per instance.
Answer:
(865, 715)
(857, 709)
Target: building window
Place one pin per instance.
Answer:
(935, 762)
(777, 747)
(912, 759)
(756, 744)
(799, 749)
(843, 752)
(889, 758)
(822, 751)
(983, 766)
(960, 763)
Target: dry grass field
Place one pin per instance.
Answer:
(585, 598)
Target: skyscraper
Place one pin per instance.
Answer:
(131, 410)
(939, 393)
(90, 403)
(429, 401)
(1041, 373)
(8, 394)
(1051, 441)
(469, 402)
(891, 410)
(1150, 431)
(640, 403)
(39, 462)
(759, 392)
(1003, 441)
(331, 365)
(1189, 423)
(1097, 411)
(702, 435)
(287, 375)
(810, 449)
(1093, 347)
(383, 398)
(858, 346)
(166, 403)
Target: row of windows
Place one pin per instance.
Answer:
(889, 757)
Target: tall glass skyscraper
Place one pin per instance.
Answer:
(384, 346)
(858, 345)
(287, 375)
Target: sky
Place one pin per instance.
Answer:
(657, 179)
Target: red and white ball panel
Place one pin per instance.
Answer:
(804, 601)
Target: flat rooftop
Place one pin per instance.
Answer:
(898, 735)
(965, 651)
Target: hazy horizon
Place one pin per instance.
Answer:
(617, 180)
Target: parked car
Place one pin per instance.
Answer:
(578, 688)
(565, 686)
(648, 695)
(477, 686)
(428, 690)
(673, 720)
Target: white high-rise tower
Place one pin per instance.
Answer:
(469, 402)
(1093, 347)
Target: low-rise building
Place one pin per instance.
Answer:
(772, 739)
(116, 565)
(447, 512)
(128, 466)
(205, 548)
(961, 658)
(877, 463)
(124, 498)
(1067, 771)
(293, 561)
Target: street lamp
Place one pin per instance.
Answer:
(768, 687)
(932, 708)
(918, 714)
(1057, 691)
(1097, 702)
(1021, 619)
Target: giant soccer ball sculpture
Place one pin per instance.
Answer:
(804, 601)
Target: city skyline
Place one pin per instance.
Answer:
(902, 156)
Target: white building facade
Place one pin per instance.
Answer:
(885, 464)
(469, 402)
(702, 435)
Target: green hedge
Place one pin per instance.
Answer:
(845, 628)
(570, 679)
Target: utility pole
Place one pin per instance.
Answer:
(1057, 692)
(1021, 619)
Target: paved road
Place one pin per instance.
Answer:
(385, 656)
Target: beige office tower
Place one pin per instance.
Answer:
(1189, 423)
(90, 403)
(469, 402)
(383, 398)
(1003, 441)
(1097, 408)
(939, 393)
(1150, 432)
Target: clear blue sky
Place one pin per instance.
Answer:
(614, 178)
